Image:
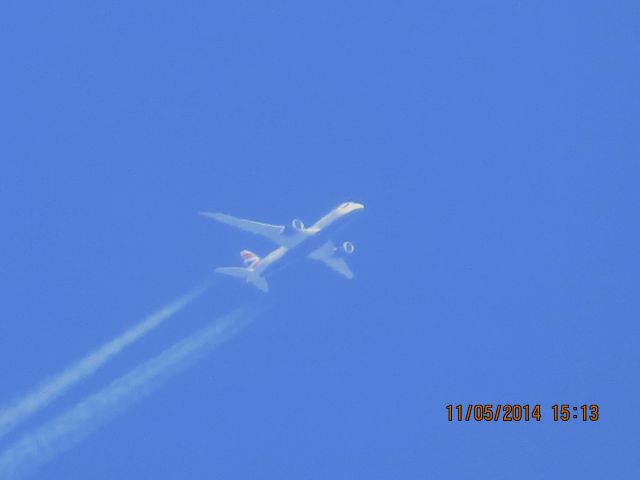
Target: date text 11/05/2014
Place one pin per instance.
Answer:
(514, 412)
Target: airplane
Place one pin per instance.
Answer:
(288, 239)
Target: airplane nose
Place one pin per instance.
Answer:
(349, 207)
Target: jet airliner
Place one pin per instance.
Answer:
(288, 240)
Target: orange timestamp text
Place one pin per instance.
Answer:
(515, 412)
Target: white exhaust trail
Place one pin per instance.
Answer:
(65, 431)
(29, 404)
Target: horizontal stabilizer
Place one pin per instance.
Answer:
(237, 272)
(246, 274)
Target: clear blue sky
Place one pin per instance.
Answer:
(496, 147)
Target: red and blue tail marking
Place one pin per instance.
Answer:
(250, 259)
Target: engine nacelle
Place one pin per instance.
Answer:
(348, 248)
(297, 225)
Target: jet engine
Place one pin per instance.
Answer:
(348, 248)
(297, 224)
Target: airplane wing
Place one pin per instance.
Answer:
(338, 265)
(272, 232)
(326, 254)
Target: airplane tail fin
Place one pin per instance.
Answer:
(249, 258)
(246, 274)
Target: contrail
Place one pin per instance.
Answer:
(27, 405)
(63, 432)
